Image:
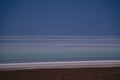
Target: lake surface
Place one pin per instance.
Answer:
(50, 49)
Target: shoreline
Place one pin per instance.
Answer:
(60, 64)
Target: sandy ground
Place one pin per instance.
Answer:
(63, 74)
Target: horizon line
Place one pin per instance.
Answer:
(59, 37)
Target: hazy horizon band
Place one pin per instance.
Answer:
(59, 37)
(30, 49)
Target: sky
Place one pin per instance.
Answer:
(59, 17)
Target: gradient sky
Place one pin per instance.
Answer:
(59, 17)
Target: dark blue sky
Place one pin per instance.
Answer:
(59, 17)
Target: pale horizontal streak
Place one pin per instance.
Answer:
(59, 38)
(60, 64)
(58, 44)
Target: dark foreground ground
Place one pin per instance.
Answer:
(62, 74)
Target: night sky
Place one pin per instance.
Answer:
(59, 17)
